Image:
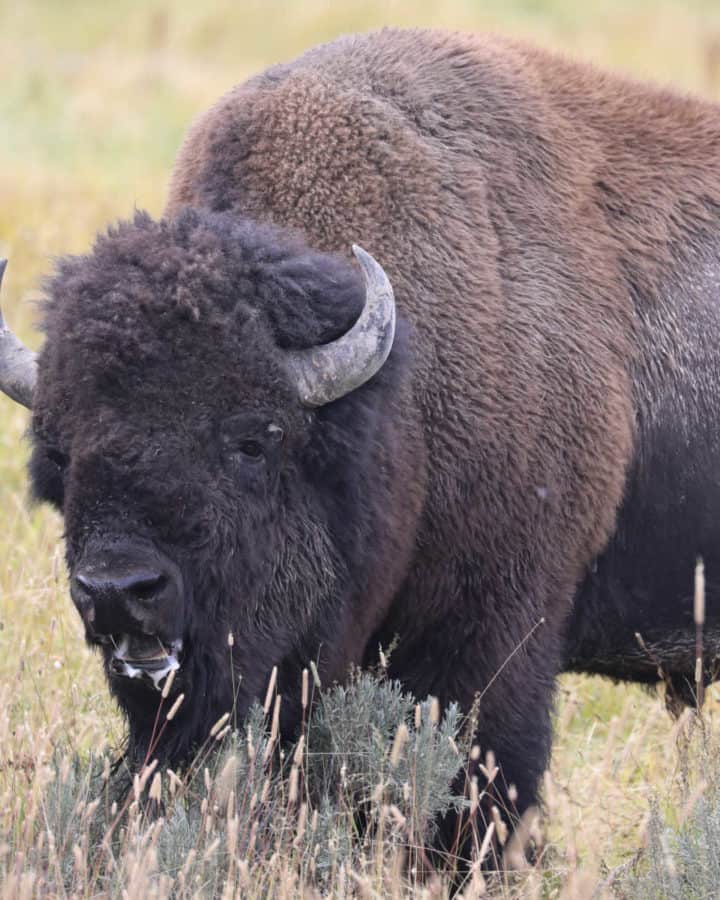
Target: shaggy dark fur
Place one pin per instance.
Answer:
(171, 335)
(550, 233)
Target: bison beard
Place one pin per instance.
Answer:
(551, 238)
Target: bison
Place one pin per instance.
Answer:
(509, 406)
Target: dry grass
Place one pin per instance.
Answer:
(93, 104)
(255, 818)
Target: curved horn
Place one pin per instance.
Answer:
(18, 365)
(328, 372)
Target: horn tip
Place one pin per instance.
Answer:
(360, 254)
(367, 262)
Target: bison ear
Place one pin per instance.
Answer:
(18, 365)
(330, 371)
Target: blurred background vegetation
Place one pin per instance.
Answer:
(94, 100)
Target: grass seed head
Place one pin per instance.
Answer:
(699, 605)
(305, 694)
(270, 690)
(315, 675)
(168, 684)
(402, 736)
(155, 792)
(219, 724)
(175, 707)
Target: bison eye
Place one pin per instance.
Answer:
(251, 450)
(248, 440)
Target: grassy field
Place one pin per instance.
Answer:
(94, 99)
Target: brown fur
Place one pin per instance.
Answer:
(430, 169)
(542, 223)
(468, 169)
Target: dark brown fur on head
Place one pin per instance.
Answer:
(172, 336)
(551, 236)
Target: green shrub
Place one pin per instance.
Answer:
(681, 859)
(345, 804)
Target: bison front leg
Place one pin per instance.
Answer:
(503, 675)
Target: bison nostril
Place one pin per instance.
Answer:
(144, 588)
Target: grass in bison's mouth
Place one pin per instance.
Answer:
(145, 657)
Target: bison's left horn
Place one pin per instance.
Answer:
(18, 365)
(330, 371)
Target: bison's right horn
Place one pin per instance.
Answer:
(328, 372)
(18, 365)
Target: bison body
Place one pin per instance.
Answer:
(543, 429)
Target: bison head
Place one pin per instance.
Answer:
(206, 420)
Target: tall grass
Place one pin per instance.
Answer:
(349, 807)
(347, 810)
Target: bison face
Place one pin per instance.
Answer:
(182, 423)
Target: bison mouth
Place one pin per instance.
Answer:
(145, 657)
